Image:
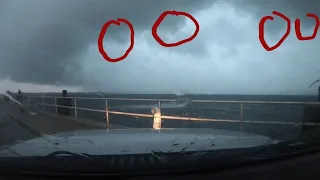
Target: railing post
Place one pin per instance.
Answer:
(156, 118)
(42, 102)
(75, 108)
(241, 116)
(34, 102)
(159, 105)
(107, 114)
(56, 105)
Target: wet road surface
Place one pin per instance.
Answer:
(16, 125)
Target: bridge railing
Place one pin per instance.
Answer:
(156, 111)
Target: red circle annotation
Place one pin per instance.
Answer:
(180, 13)
(154, 34)
(102, 34)
(176, 13)
(297, 29)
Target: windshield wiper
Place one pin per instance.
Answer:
(68, 153)
(38, 134)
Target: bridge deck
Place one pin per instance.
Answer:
(16, 125)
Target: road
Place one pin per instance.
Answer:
(15, 126)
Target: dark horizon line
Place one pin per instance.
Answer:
(106, 93)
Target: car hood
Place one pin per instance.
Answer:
(135, 141)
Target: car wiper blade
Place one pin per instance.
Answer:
(38, 134)
(68, 153)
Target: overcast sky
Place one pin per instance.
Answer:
(45, 43)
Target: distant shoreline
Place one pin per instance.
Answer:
(149, 94)
(240, 97)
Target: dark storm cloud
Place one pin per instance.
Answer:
(42, 40)
(291, 8)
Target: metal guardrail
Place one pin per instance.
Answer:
(156, 111)
(195, 101)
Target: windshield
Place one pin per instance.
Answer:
(119, 78)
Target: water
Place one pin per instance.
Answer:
(251, 112)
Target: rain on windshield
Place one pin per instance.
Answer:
(130, 77)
